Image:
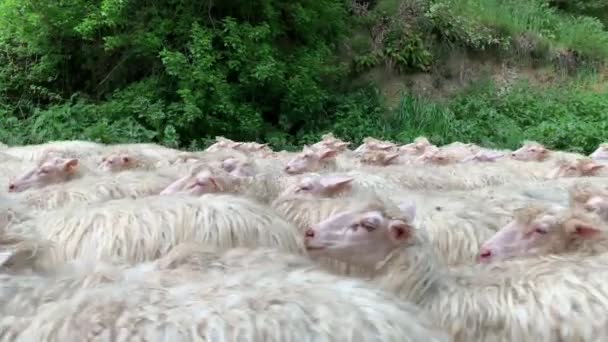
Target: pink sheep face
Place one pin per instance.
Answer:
(238, 168)
(483, 157)
(379, 158)
(326, 186)
(202, 183)
(223, 143)
(542, 233)
(531, 152)
(51, 171)
(436, 156)
(601, 153)
(577, 168)
(413, 149)
(359, 237)
(309, 160)
(595, 202)
(598, 205)
(251, 147)
(331, 143)
(116, 162)
(374, 145)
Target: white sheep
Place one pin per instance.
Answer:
(507, 311)
(69, 148)
(578, 168)
(542, 229)
(246, 305)
(601, 153)
(153, 151)
(90, 189)
(143, 229)
(263, 187)
(537, 152)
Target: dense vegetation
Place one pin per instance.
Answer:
(180, 72)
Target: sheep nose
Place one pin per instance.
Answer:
(485, 254)
(12, 187)
(310, 233)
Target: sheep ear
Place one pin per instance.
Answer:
(327, 154)
(336, 182)
(399, 231)
(71, 165)
(5, 256)
(592, 167)
(388, 158)
(215, 181)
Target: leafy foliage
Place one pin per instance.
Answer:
(175, 71)
(569, 117)
(180, 72)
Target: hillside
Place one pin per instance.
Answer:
(180, 72)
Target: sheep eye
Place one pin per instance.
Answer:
(540, 231)
(368, 226)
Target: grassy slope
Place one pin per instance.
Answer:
(513, 70)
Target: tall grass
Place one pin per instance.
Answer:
(585, 35)
(416, 116)
(571, 117)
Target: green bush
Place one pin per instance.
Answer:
(175, 72)
(180, 72)
(483, 23)
(568, 117)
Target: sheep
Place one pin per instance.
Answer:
(312, 160)
(72, 148)
(121, 160)
(149, 151)
(379, 158)
(417, 147)
(517, 195)
(372, 144)
(330, 141)
(542, 229)
(248, 305)
(49, 170)
(534, 151)
(334, 184)
(89, 190)
(578, 168)
(403, 264)
(303, 210)
(204, 180)
(142, 229)
(249, 147)
(233, 162)
(11, 212)
(452, 177)
(448, 154)
(484, 156)
(588, 198)
(455, 232)
(8, 158)
(601, 153)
